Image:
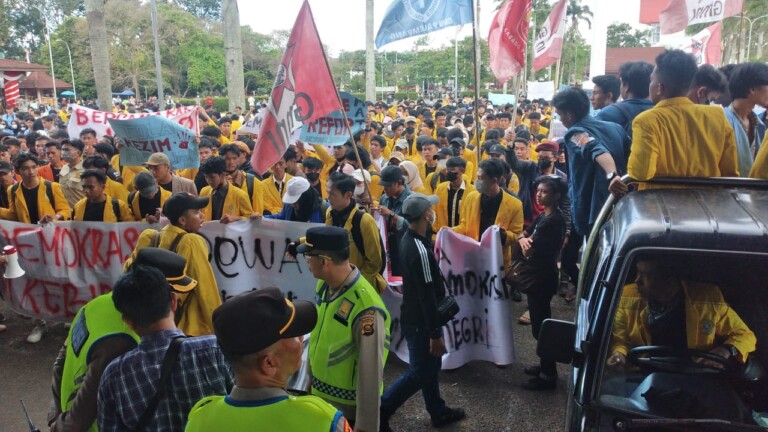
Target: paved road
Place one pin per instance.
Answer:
(491, 396)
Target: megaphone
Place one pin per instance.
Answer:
(12, 268)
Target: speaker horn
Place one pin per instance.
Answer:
(12, 268)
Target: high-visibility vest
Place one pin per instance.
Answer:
(284, 413)
(332, 352)
(94, 322)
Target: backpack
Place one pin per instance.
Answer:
(357, 237)
(249, 179)
(116, 209)
(433, 182)
(174, 244)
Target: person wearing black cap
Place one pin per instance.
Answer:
(146, 198)
(451, 194)
(348, 347)
(390, 205)
(457, 141)
(180, 236)
(422, 290)
(167, 367)
(439, 176)
(82, 360)
(260, 333)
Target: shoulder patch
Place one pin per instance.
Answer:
(344, 310)
(367, 320)
(581, 139)
(80, 333)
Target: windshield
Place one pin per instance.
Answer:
(689, 339)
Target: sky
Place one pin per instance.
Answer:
(341, 23)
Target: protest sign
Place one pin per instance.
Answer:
(331, 130)
(143, 136)
(541, 90)
(253, 125)
(499, 99)
(86, 118)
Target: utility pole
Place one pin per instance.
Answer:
(233, 54)
(370, 60)
(158, 65)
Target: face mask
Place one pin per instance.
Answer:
(451, 176)
(359, 190)
(481, 186)
(313, 177)
(544, 164)
(66, 155)
(441, 165)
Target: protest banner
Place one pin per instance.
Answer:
(541, 90)
(86, 118)
(253, 125)
(499, 99)
(330, 130)
(143, 136)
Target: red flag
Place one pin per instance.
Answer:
(508, 38)
(705, 45)
(549, 42)
(679, 14)
(303, 91)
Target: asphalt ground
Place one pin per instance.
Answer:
(491, 396)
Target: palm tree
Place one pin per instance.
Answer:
(577, 13)
(97, 35)
(233, 53)
(370, 61)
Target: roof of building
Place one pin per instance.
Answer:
(14, 65)
(41, 80)
(615, 57)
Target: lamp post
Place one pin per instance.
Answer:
(749, 39)
(71, 68)
(50, 54)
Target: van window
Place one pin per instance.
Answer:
(689, 337)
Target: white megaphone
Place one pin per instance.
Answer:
(12, 268)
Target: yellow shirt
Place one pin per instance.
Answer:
(442, 210)
(17, 205)
(760, 167)
(236, 203)
(681, 139)
(509, 217)
(116, 190)
(257, 197)
(109, 212)
(273, 199)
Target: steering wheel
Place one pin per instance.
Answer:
(675, 360)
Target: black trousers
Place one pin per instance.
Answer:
(539, 307)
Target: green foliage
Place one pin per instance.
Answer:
(204, 9)
(220, 104)
(622, 35)
(205, 63)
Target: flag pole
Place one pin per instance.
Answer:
(341, 104)
(477, 76)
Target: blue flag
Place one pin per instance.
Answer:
(407, 18)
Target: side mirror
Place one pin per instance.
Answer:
(556, 341)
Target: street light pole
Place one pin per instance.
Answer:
(749, 39)
(71, 68)
(50, 54)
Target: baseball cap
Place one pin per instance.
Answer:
(548, 146)
(497, 149)
(397, 155)
(171, 264)
(410, 119)
(401, 144)
(391, 174)
(178, 203)
(158, 159)
(458, 141)
(361, 175)
(144, 183)
(5, 167)
(443, 153)
(416, 204)
(325, 238)
(253, 321)
(294, 188)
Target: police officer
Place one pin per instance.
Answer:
(260, 333)
(98, 335)
(348, 348)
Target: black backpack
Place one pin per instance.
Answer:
(357, 237)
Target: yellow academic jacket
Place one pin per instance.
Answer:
(134, 204)
(509, 217)
(441, 209)
(116, 190)
(328, 163)
(427, 187)
(370, 263)
(257, 197)
(17, 206)
(471, 158)
(273, 200)
(204, 298)
(127, 173)
(760, 167)
(236, 203)
(109, 212)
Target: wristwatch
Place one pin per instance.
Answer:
(611, 175)
(732, 350)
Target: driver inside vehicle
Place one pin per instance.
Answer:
(661, 309)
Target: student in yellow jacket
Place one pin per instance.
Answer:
(452, 194)
(228, 203)
(760, 167)
(490, 205)
(235, 157)
(49, 204)
(97, 205)
(180, 236)
(127, 173)
(112, 188)
(147, 198)
(274, 187)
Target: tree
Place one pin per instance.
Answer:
(370, 62)
(97, 35)
(622, 35)
(576, 13)
(233, 52)
(208, 10)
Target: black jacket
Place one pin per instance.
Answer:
(422, 284)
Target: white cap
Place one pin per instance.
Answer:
(293, 190)
(360, 175)
(403, 144)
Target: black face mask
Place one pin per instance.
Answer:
(544, 164)
(313, 177)
(451, 176)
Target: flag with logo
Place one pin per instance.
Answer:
(679, 14)
(508, 38)
(303, 91)
(704, 46)
(549, 42)
(407, 18)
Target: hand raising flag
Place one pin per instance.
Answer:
(303, 91)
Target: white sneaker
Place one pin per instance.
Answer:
(36, 335)
(3, 327)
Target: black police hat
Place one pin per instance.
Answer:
(252, 321)
(326, 238)
(171, 264)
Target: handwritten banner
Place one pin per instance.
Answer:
(85, 118)
(143, 136)
(331, 129)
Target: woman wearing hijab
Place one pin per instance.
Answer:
(412, 177)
